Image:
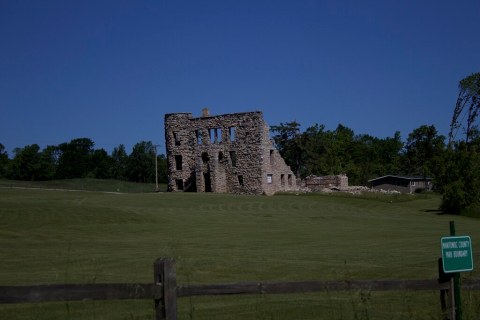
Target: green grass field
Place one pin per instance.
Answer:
(85, 185)
(54, 236)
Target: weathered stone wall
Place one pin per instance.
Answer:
(226, 153)
(180, 148)
(277, 175)
(317, 183)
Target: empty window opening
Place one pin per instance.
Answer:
(208, 182)
(290, 180)
(271, 157)
(179, 183)
(282, 179)
(215, 135)
(220, 156)
(211, 133)
(233, 158)
(176, 138)
(205, 157)
(240, 180)
(178, 162)
(231, 133)
(198, 134)
(269, 178)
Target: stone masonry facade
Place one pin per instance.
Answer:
(230, 153)
(316, 183)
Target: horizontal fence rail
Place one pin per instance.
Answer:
(309, 286)
(164, 289)
(72, 292)
(120, 291)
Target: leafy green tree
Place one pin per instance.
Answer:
(31, 164)
(48, 163)
(102, 164)
(334, 147)
(141, 162)
(290, 145)
(389, 150)
(319, 151)
(344, 139)
(119, 163)
(75, 160)
(324, 152)
(3, 161)
(347, 146)
(459, 179)
(26, 164)
(362, 163)
(162, 168)
(424, 145)
(79, 159)
(466, 109)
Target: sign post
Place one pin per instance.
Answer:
(456, 257)
(457, 254)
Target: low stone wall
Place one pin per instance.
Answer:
(318, 183)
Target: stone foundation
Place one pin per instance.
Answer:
(316, 183)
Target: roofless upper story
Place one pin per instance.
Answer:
(224, 153)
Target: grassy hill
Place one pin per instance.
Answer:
(52, 236)
(85, 185)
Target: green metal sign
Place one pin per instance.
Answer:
(457, 254)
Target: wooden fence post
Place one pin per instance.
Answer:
(165, 275)
(446, 293)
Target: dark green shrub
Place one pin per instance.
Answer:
(454, 198)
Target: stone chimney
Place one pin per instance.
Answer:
(205, 112)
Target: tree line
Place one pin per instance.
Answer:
(79, 159)
(361, 157)
(454, 166)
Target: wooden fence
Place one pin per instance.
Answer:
(164, 290)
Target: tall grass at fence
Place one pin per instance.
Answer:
(338, 306)
(77, 237)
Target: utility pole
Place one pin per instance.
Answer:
(156, 168)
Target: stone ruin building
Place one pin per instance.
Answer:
(230, 153)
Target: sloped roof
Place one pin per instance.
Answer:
(410, 178)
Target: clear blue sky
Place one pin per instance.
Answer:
(110, 70)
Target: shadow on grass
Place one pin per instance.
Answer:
(436, 211)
